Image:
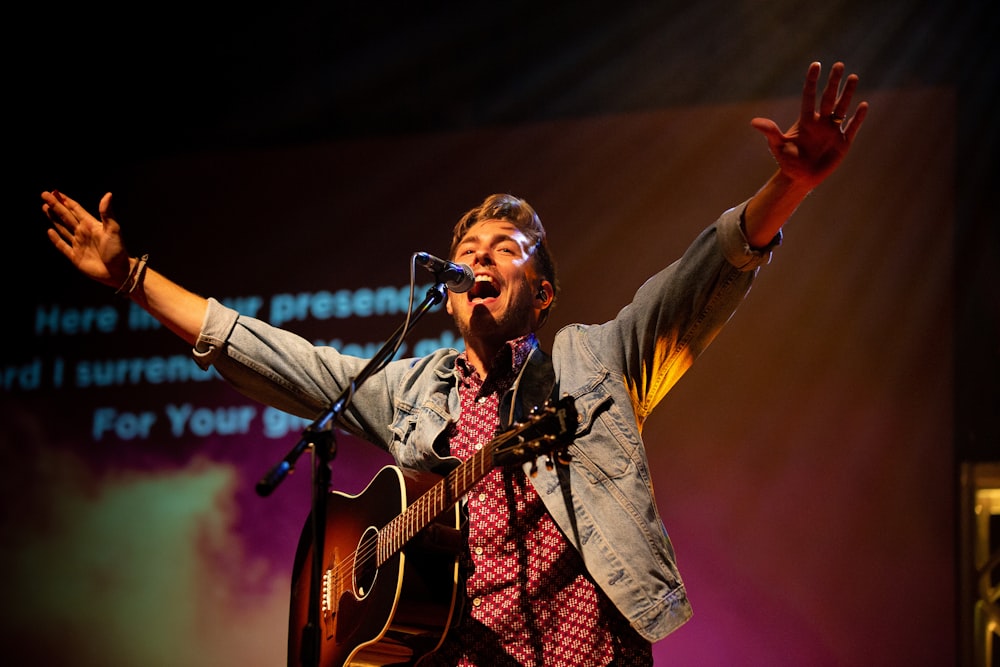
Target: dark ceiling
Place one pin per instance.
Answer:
(184, 75)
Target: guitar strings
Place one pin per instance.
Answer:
(368, 547)
(440, 492)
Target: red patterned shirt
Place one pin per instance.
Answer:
(529, 599)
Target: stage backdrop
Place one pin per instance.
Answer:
(804, 466)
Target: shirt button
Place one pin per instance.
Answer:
(478, 446)
(479, 551)
(476, 602)
(482, 497)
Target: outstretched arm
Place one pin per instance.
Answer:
(96, 249)
(811, 149)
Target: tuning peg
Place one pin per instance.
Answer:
(564, 457)
(549, 463)
(534, 469)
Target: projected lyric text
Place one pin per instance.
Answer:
(125, 396)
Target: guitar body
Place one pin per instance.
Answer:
(391, 613)
(389, 566)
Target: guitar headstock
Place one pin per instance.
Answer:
(548, 430)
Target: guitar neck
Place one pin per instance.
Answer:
(547, 430)
(436, 500)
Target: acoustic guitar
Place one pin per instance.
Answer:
(390, 584)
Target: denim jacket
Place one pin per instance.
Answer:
(616, 372)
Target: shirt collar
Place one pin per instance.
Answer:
(507, 363)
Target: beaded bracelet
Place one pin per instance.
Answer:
(134, 277)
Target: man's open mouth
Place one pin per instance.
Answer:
(483, 288)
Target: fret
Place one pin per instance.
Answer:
(447, 491)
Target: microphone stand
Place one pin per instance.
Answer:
(320, 435)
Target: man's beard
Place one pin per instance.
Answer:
(514, 321)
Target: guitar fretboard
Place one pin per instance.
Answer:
(543, 432)
(440, 497)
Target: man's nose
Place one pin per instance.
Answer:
(483, 257)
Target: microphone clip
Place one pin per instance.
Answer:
(457, 278)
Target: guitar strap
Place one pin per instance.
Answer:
(534, 386)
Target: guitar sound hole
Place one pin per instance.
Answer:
(365, 563)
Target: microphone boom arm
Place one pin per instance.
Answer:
(324, 422)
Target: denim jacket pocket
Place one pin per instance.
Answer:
(402, 427)
(608, 451)
(415, 430)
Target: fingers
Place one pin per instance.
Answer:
(57, 209)
(843, 104)
(71, 206)
(854, 124)
(808, 110)
(59, 242)
(772, 133)
(68, 213)
(828, 101)
(64, 223)
(765, 125)
(835, 100)
(104, 208)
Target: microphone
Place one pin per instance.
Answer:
(456, 277)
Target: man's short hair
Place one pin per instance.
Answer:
(521, 214)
